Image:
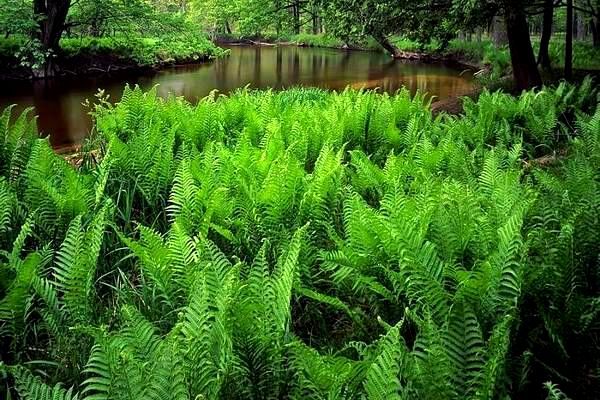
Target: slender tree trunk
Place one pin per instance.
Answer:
(524, 66)
(278, 23)
(296, 14)
(595, 26)
(580, 26)
(499, 35)
(544, 55)
(386, 44)
(315, 23)
(569, 41)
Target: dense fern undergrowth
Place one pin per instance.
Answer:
(305, 245)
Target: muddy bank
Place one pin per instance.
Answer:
(454, 105)
(89, 65)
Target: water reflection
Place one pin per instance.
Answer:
(61, 114)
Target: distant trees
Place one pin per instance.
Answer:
(441, 19)
(46, 21)
(16, 16)
(590, 9)
(512, 21)
(444, 19)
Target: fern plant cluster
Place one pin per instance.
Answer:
(305, 245)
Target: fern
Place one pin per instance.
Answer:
(254, 246)
(30, 387)
(75, 266)
(382, 380)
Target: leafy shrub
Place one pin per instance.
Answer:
(317, 40)
(585, 55)
(145, 51)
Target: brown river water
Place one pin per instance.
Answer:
(58, 102)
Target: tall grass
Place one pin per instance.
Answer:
(305, 244)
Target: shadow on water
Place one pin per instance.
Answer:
(61, 113)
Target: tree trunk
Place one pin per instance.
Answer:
(53, 15)
(544, 55)
(296, 14)
(569, 41)
(524, 67)
(278, 20)
(580, 26)
(499, 35)
(386, 44)
(595, 32)
(315, 24)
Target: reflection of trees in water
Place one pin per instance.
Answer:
(295, 67)
(55, 112)
(442, 86)
(279, 67)
(316, 70)
(257, 78)
(221, 66)
(58, 102)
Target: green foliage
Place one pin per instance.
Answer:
(16, 17)
(312, 40)
(164, 48)
(130, 32)
(144, 51)
(585, 55)
(306, 244)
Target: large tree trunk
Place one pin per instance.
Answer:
(544, 55)
(569, 41)
(524, 66)
(53, 15)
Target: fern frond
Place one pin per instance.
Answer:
(30, 387)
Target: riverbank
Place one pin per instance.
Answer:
(492, 61)
(95, 56)
(408, 50)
